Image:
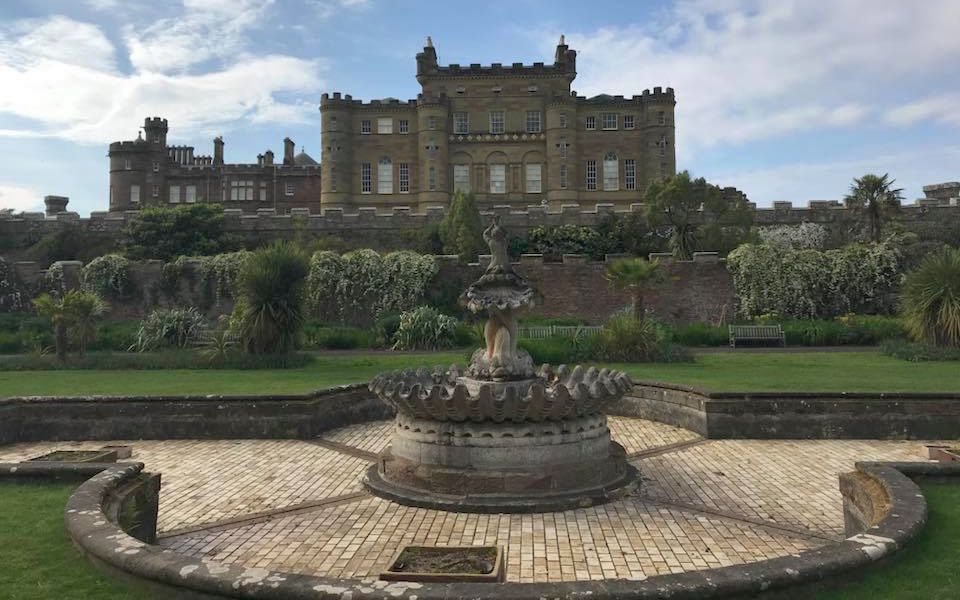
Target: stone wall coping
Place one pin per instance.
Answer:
(105, 543)
(311, 395)
(788, 395)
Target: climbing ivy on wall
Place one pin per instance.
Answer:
(107, 276)
(11, 296)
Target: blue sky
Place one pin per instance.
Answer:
(785, 99)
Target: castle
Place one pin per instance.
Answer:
(513, 135)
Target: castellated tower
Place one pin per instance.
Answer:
(138, 167)
(336, 122)
(433, 115)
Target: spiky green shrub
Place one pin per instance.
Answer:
(73, 316)
(425, 329)
(269, 310)
(930, 299)
(170, 328)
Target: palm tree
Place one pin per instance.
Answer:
(876, 195)
(270, 299)
(76, 312)
(931, 299)
(634, 275)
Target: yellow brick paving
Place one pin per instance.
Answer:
(791, 484)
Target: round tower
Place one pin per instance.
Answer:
(129, 163)
(433, 112)
(336, 154)
(561, 151)
(659, 134)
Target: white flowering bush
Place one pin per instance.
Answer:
(805, 236)
(107, 276)
(790, 283)
(11, 296)
(362, 285)
(220, 273)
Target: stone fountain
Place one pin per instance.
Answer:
(501, 436)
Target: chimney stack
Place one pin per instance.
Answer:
(55, 204)
(218, 151)
(268, 158)
(288, 148)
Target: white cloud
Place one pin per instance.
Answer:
(329, 8)
(102, 4)
(944, 108)
(91, 101)
(206, 29)
(19, 198)
(750, 69)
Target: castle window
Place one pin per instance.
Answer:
(156, 191)
(263, 191)
(333, 179)
(591, 172)
(241, 190)
(365, 127)
(432, 178)
(498, 179)
(156, 139)
(628, 121)
(403, 126)
(288, 190)
(590, 122)
(461, 178)
(611, 172)
(366, 181)
(385, 176)
(661, 118)
(534, 183)
(663, 170)
(496, 121)
(630, 173)
(563, 177)
(609, 121)
(191, 194)
(562, 146)
(461, 123)
(461, 89)
(404, 178)
(156, 166)
(496, 89)
(563, 120)
(385, 126)
(174, 194)
(532, 89)
(431, 123)
(333, 123)
(533, 121)
(127, 164)
(134, 194)
(663, 146)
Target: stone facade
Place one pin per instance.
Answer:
(148, 172)
(511, 134)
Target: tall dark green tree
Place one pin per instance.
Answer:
(877, 198)
(693, 208)
(187, 230)
(461, 230)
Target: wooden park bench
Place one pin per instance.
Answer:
(756, 334)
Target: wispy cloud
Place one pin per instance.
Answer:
(750, 69)
(19, 198)
(944, 108)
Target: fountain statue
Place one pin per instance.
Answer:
(501, 436)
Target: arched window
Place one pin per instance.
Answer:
(385, 176)
(611, 172)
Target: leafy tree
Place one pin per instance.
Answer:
(76, 313)
(931, 299)
(691, 209)
(875, 195)
(186, 230)
(461, 230)
(269, 310)
(634, 275)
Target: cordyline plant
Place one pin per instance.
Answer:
(930, 299)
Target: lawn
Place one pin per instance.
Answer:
(806, 371)
(39, 562)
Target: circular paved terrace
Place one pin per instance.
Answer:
(299, 506)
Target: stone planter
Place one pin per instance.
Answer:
(448, 564)
(78, 456)
(943, 453)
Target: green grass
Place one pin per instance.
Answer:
(747, 371)
(926, 569)
(38, 560)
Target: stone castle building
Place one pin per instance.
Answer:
(512, 134)
(148, 172)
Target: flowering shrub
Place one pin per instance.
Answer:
(220, 273)
(425, 329)
(11, 297)
(107, 276)
(360, 286)
(807, 284)
(805, 236)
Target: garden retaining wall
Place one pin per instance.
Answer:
(796, 415)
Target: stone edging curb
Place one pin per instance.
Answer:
(107, 545)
